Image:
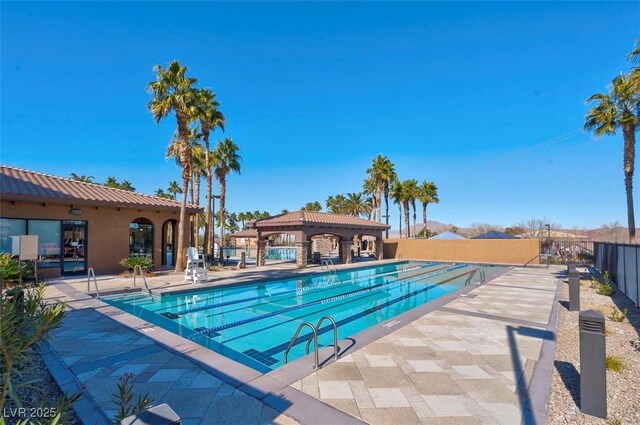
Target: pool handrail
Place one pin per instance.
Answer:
(483, 276)
(92, 273)
(335, 336)
(137, 268)
(295, 336)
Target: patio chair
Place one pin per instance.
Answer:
(196, 266)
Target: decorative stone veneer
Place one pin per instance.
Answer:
(262, 252)
(302, 251)
(379, 249)
(346, 251)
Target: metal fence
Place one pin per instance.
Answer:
(622, 261)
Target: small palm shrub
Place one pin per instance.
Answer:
(617, 315)
(25, 320)
(614, 363)
(124, 399)
(131, 262)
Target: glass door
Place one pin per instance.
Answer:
(74, 247)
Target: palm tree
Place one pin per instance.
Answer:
(81, 178)
(383, 173)
(226, 159)
(111, 182)
(396, 193)
(160, 193)
(210, 118)
(355, 204)
(411, 192)
(173, 92)
(427, 194)
(126, 185)
(634, 75)
(312, 206)
(618, 109)
(372, 188)
(173, 189)
(197, 164)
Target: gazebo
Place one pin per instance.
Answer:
(306, 224)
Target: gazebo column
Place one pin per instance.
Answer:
(345, 247)
(263, 244)
(302, 250)
(379, 248)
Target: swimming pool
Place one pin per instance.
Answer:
(254, 323)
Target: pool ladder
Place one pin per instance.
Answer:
(332, 270)
(92, 274)
(138, 270)
(314, 339)
(483, 277)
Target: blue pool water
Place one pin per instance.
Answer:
(253, 323)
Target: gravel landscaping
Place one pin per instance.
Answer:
(44, 393)
(622, 341)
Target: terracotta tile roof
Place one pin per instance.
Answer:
(24, 185)
(248, 233)
(302, 217)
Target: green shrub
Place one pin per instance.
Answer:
(614, 363)
(25, 320)
(618, 316)
(10, 268)
(603, 286)
(131, 262)
(124, 399)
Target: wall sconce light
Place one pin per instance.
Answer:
(75, 211)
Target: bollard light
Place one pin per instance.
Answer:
(574, 291)
(593, 374)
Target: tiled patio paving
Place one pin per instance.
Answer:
(470, 361)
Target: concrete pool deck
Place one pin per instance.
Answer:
(476, 359)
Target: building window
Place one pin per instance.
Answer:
(141, 238)
(49, 234)
(9, 228)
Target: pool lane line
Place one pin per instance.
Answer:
(286, 282)
(296, 290)
(315, 286)
(318, 312)
(319, 292)
(304, 338)
(208, 331)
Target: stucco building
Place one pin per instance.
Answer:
(81, 225)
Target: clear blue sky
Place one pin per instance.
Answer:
(470, 95)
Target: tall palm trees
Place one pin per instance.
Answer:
(225, 159)
(427, 194)
(174, 92)
(410, 189)
(619, 109)
(380, 176)
(397, 194)
(210, 118)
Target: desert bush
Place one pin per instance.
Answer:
(25, 320)
(614, 363)
(124, 399)
(617, 315)
(10, 268)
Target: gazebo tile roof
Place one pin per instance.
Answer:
(318, 218)
(20, 184)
